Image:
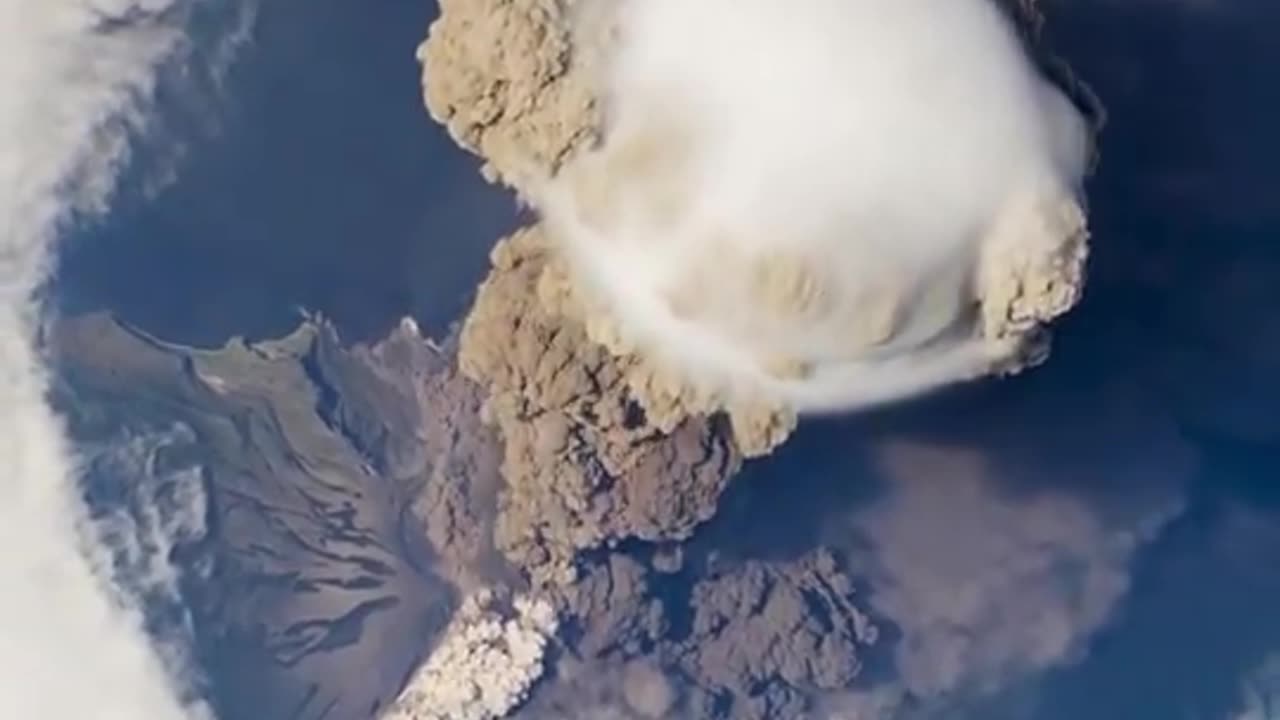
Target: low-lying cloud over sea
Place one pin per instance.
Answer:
(80, 79)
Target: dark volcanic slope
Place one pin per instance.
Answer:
(312, 457)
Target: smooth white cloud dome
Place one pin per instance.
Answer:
(793, 200)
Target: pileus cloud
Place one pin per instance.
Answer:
(823, 204)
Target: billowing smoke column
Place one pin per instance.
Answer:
(821, 204)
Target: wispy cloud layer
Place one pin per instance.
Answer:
(78, 76)
(988, 584)
(997, 552)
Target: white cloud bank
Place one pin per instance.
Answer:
(824, 203)
(75, 79)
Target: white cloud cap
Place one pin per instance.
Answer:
(809, 201)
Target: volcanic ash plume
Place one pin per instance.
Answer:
(822, 204)
(715, 238)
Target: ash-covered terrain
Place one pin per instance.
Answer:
(301, 466)
(339, 504)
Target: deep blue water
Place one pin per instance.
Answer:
(314, 179)
(1187, 269)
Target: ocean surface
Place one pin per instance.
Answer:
(312, 179)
